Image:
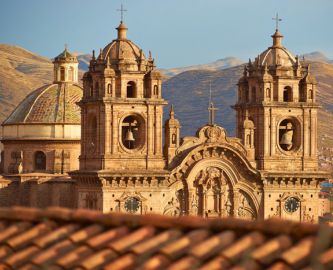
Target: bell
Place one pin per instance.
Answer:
(129, 136)
(287, 139)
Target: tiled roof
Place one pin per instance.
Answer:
(55, 103)
(59, 238)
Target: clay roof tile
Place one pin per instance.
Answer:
(57, 238)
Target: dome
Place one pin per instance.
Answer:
(276, 55)
(55, 103)
(248, 124)
(122, 49)
(122, 53)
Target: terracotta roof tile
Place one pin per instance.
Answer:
(213, 245)
(299, 255)
(98, 260)
(71, 258)
(179, 247)
(271, 250)
(101, 240)
(242, 246)
(58, 239)
(125, 243)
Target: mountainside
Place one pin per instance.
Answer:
(20, 72)
(214, 66)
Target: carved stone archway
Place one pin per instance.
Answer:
(211, 189)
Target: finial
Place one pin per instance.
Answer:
(93, 55)
(122, 10)
(172, 112)
(309, 69)
(66, 46)
(150, 57)
(277, 20)
(100, 53)
(108, 61)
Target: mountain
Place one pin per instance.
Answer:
(316, 57)
(214, 66)
(84, 61)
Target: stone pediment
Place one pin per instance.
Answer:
(211, 134)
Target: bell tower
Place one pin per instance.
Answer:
(278, 94)
(122, 109)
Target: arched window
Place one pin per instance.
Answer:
(173, 138)
(268, 93)
(71, 74)
(62, 73)
(131, 90)
(155, 90)
(91, 91)
(248, 139)
(40, 161)
(310, 94)
(287, 94)
(109, 89)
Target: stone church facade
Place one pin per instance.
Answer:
(269, 169)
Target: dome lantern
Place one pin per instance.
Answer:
(65, 67)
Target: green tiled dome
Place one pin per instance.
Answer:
(55, 103)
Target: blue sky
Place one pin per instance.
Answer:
(178, 32)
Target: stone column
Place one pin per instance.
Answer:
(114, 147)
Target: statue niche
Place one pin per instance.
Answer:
(212, 196)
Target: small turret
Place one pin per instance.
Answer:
(65, 68)
(172, 134)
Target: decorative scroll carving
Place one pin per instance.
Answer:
(173, 207)
(245, 209)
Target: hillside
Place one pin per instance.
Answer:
(214, 66)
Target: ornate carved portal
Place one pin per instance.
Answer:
(212, 194)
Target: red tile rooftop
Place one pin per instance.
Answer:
(59, 238)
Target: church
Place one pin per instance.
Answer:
(106, 146)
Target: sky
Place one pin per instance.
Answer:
(178, 32)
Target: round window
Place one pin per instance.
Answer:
(133, 132)
(132, 204)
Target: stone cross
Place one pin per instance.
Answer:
(277, 20)
(211, 110)
(122, 10)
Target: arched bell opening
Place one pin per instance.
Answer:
(133, 132)
(131, 90)
(287, 94)
(289, 134)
